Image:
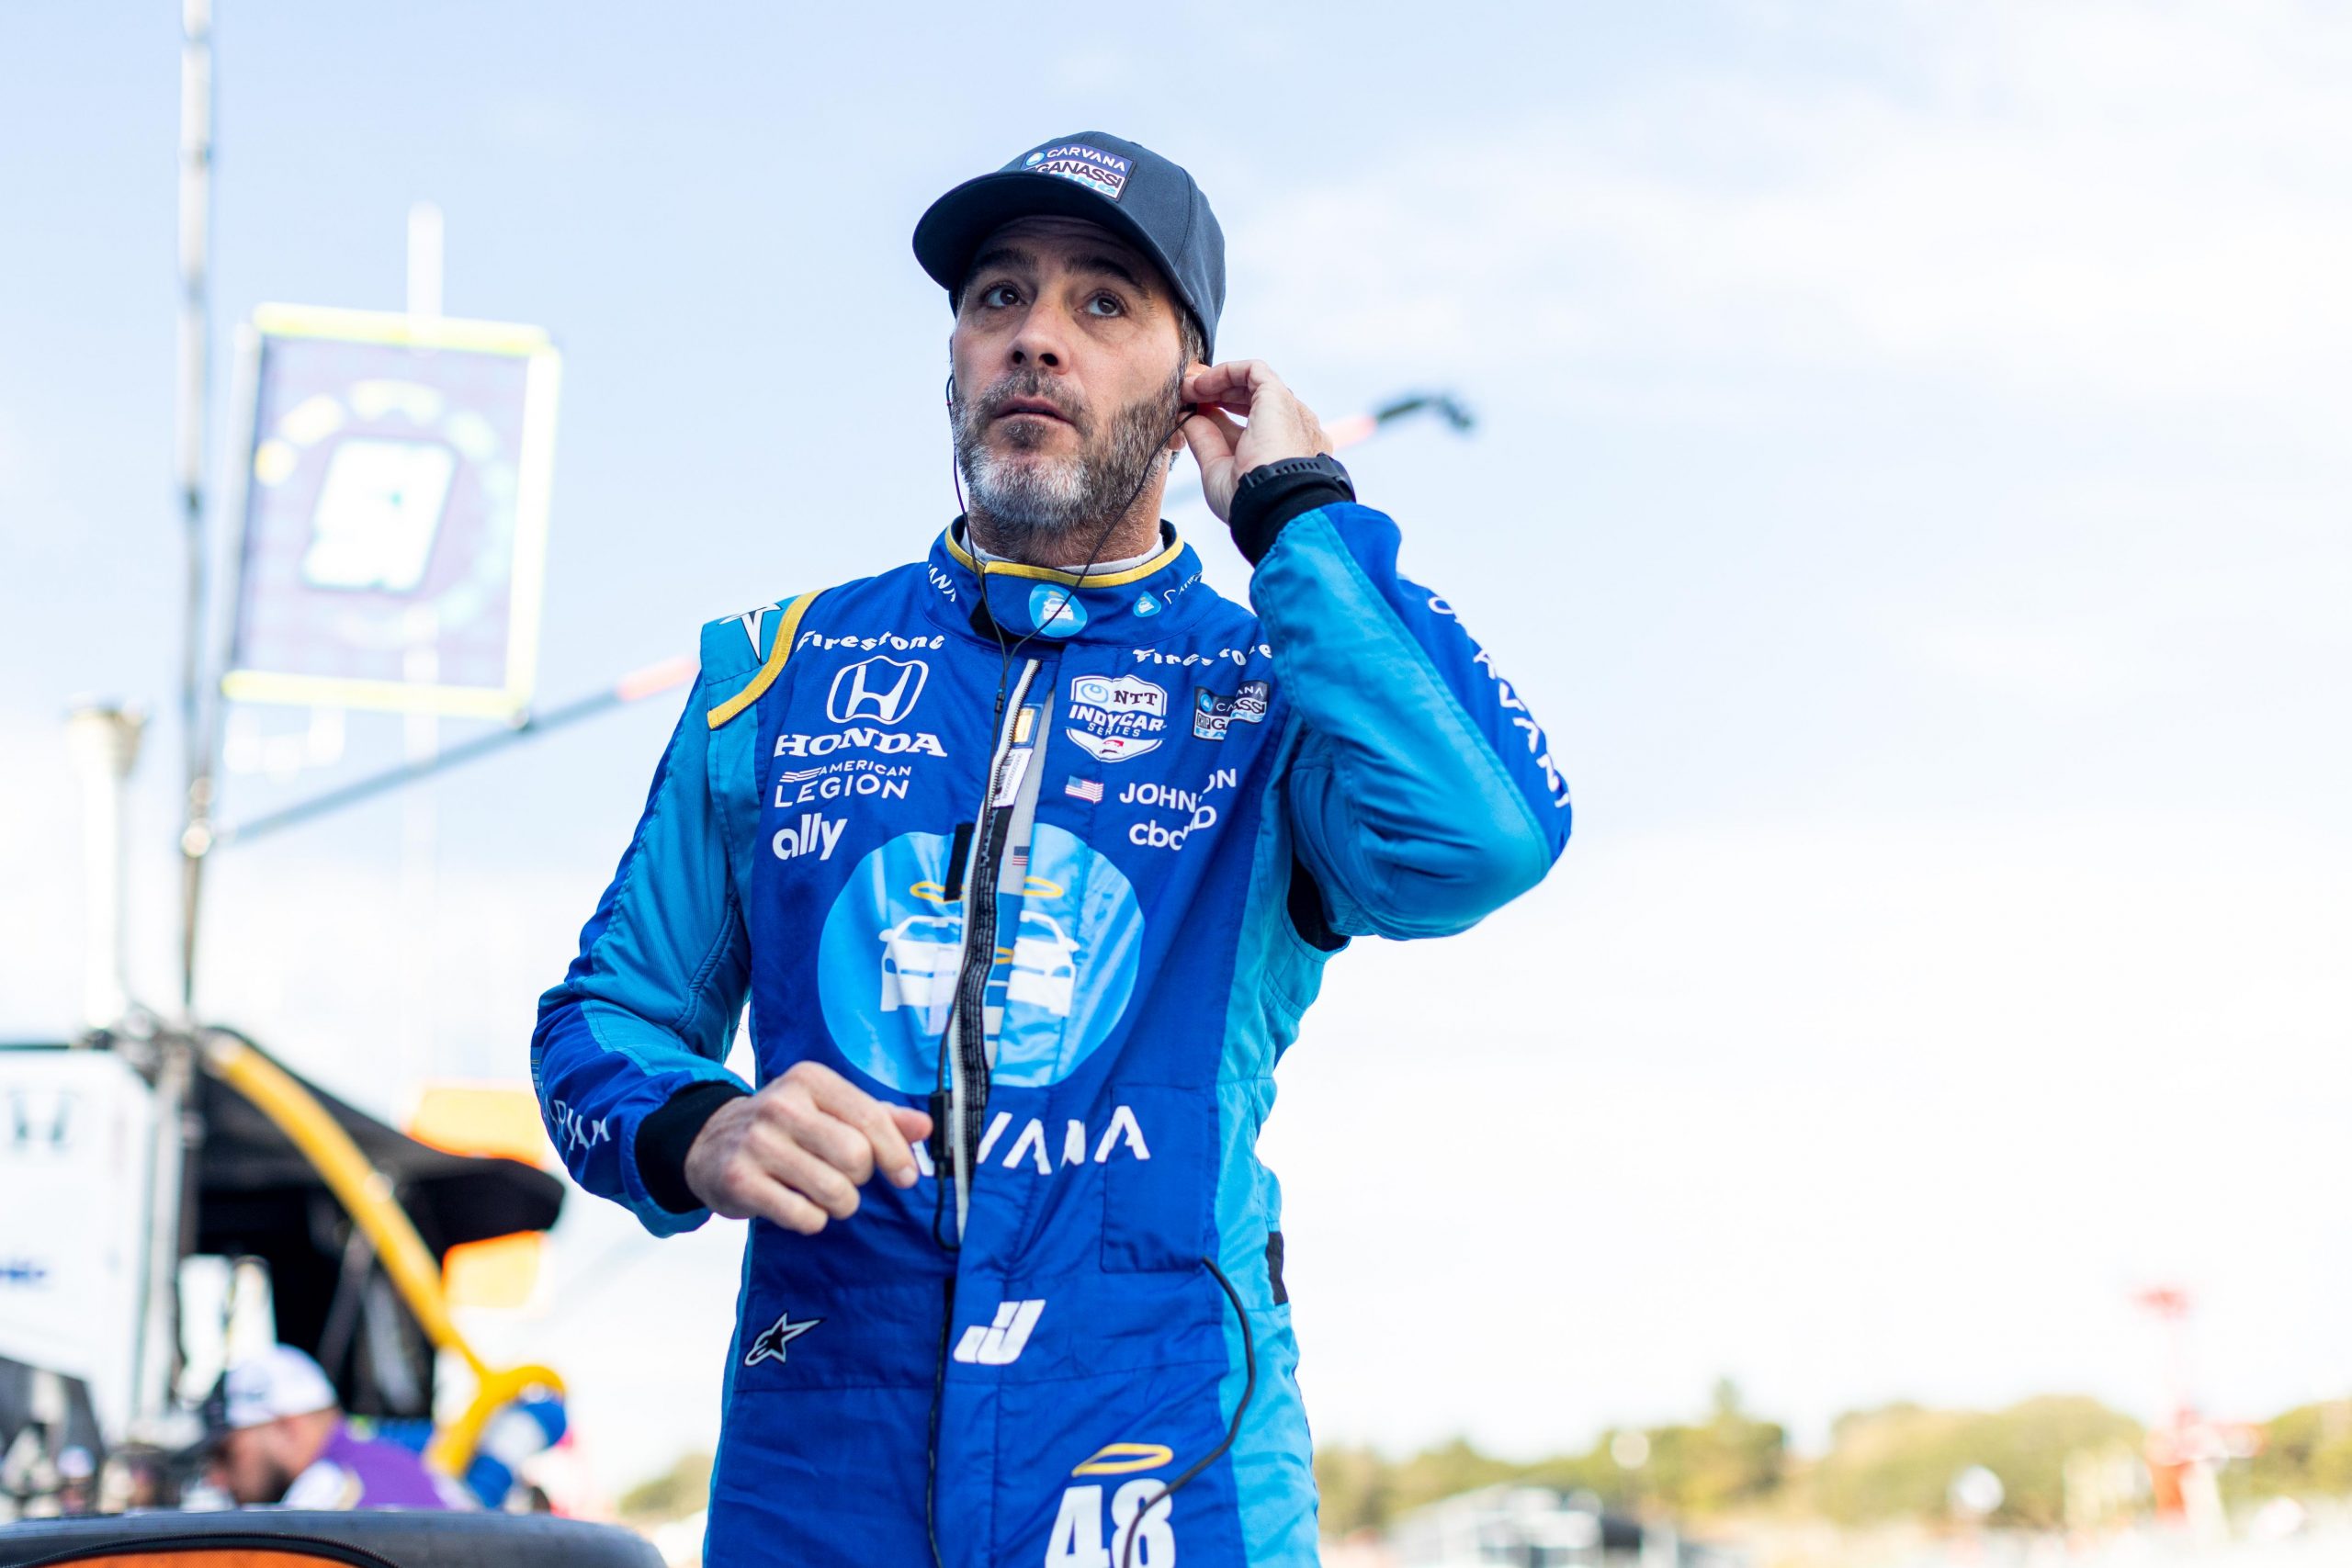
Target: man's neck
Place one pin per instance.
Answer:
(1137, 533)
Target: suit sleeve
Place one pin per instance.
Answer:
(1422, 794)
(646, 1010)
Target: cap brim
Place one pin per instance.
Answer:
(951, 229)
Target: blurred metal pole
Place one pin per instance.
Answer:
(176, 1130)
(415, 1019)
(191, 427)
(103, 742)
(654, 679)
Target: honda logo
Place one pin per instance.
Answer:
(39, 1121)
(884, 690)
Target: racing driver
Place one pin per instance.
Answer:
(1027, 858)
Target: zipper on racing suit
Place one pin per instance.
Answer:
(1020, 729)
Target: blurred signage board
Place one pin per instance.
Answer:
(75, 1147)
(395, 512)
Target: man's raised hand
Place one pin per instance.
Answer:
(797, 1151)
(1279, 426)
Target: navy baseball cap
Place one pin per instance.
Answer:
(1134, 192)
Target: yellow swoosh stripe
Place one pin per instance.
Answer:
(1126, 1458)
(785, 634)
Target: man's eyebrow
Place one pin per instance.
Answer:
(1098, 262)
(1102, 262)
(1001, 255)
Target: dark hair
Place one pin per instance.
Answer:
(1189, 334)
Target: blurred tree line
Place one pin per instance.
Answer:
(2306, 1452)
(1729, 1460)
(673, 1494)
(1897, 1462)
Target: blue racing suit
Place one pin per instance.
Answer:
(1061, 862)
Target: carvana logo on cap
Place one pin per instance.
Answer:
(1104, 174)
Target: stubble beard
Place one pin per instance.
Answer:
(1052, 509)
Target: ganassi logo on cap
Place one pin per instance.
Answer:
(1105, 174)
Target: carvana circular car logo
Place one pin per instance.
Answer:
(1064, 966)
(1054, 609)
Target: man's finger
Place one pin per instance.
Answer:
(764, 1197)
(1229, 430)
(813, 1177)
(793, 1117)
(887, 1148)
(1209, 444)
(1235, 382)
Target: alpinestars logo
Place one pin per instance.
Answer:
(751, 621)
(882, 689)
(999, 1344)
(769, 1346)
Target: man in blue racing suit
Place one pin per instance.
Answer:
(1027, 858)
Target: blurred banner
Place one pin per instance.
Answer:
(395, 512)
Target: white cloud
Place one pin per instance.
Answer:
(2147, 204)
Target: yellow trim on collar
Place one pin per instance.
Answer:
(1158, 563)
(786, 631)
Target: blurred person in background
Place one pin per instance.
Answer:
(285, 1440)
(1028, 857)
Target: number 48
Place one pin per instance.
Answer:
(1077, 1539)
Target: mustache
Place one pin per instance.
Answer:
(1031, 384)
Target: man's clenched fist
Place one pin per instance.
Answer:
(797, 1151)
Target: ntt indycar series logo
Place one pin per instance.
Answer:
(1104, 174)
(1115, 717)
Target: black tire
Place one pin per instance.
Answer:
(388, 1538)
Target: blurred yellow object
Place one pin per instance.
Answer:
(476, 1117)
(367, 1197)
(502, 1273)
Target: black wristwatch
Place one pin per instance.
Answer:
(1271, 494)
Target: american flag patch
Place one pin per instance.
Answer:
(1085, 789)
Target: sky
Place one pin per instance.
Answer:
(1907, 486)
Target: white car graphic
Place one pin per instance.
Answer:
(920, 954)
(919, 957)
(1044, 974)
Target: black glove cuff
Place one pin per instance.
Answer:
(1270, 495)
(664, 1138)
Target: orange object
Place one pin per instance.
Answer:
(475, 1117)
(501, 1273)
(472, 1117)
